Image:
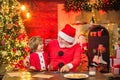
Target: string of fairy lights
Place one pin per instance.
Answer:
(87, 5)
(24, 8)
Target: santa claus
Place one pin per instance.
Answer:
(64, 52)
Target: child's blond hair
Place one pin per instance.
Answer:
(34, 42)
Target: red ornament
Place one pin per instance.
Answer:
(16, 24)
(17, 66)
(6, 36)
(3, 42)
(21, 62)
(119, 45)
(21, 36)
(9, 26)
(26, 49)
(14, 49)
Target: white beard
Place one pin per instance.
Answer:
(62, 45)
(66, 46)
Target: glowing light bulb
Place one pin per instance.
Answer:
(23, 7)
(13, 7)
(28, 15)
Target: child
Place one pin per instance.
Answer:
(38, 58)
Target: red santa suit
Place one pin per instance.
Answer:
(62, 56)
(39, 60)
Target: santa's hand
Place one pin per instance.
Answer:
(65, 68)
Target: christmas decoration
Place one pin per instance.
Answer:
(92, 20)
(87, 5)
(13, 38)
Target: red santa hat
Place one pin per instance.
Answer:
(68, 33)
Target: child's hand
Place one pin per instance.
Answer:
(32, 68)
(26, 61)
(50, 67)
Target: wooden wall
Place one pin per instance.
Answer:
(43, 20)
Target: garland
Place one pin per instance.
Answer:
(88, 5)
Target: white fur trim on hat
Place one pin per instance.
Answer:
(66, 37)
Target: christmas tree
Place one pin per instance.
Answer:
(13, 37)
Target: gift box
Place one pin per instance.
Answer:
(118, 53)
(117, 50)
(114, 61)
(116, 69)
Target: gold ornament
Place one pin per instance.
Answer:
(9, 68)
(9, 26)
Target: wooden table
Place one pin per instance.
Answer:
(46, 75)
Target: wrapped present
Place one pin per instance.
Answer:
(116, 69)
(118, 53)
(117, 50)
(112, 61)
(116, 61)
